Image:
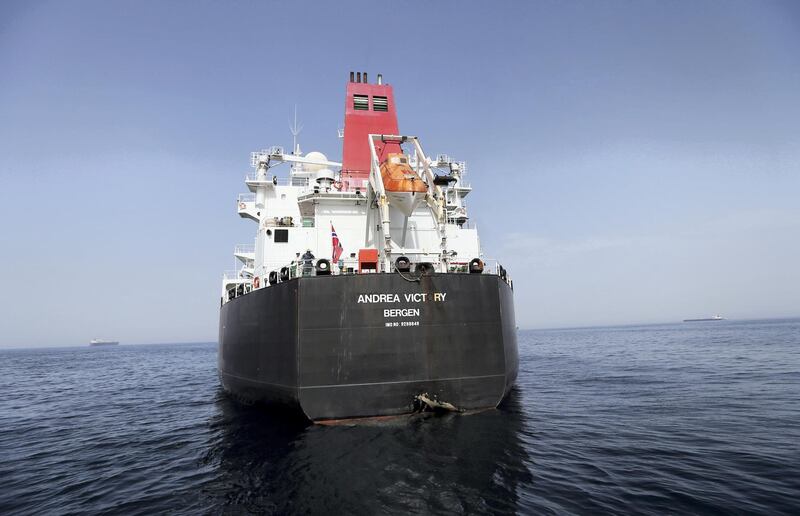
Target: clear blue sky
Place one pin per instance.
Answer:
(631, 161)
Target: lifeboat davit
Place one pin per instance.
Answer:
(404, 188)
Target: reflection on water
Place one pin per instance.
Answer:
(656, 419)
(268, 461)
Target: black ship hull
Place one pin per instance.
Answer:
(367, 345)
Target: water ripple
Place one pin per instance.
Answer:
(643, 420)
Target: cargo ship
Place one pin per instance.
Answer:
(712, 318)
(102, 342)
(366, 292)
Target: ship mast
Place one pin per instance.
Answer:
(295, 130)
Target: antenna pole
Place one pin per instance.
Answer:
(295, 130)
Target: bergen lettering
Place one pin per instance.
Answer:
(401, 312)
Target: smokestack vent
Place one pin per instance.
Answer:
(380, 79)
(352, 76)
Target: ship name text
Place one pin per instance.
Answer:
(417, 297)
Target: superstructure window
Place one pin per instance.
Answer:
(281, 236)
(380, 103)
(361, 102)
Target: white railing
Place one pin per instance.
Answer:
(245, 284)
(491, 266)
(233, 276)
(244, 249)
(263, 155)
(350, 182)
(246, 197)
(350, 266)
(345, 182)
(278, 181)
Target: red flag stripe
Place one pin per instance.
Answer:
(337, 246)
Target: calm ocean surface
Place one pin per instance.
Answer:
(684, 418)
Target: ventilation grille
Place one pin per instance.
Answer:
(380, 103)
(361, 102)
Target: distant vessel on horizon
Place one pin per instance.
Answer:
(712, 318)
(102, 342)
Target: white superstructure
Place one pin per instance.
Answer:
(296, 213)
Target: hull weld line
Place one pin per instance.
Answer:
(402, 381)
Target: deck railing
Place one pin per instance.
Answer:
(246, 197)
(278, 181)
(244, 249)
(240, 284)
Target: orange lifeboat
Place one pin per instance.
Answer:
(404, 188)
(398, 177)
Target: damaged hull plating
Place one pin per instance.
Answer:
(366, 345)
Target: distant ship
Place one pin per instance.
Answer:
(712, 318)
(101, 342)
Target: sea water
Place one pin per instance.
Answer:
(680, 418)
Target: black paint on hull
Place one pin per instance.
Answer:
(309, 343)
